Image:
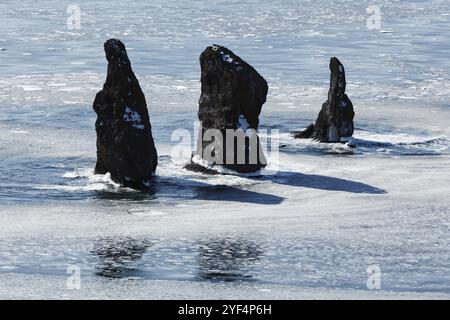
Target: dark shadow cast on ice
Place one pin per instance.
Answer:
(227, 193)
(314, 181)
(186, 189)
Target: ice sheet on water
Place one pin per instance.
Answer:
(308, 262)
(365, 143)
(291, 37)
(79, 89)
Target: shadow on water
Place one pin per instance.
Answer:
(117, 255)
(314, 181)
(227, 193)
(227, 259)
(40, 181)
(179, 189)
(127, 195)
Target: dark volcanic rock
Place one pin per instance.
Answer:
(307, 133)
(125, 146)
(335, 121)
(232, 96)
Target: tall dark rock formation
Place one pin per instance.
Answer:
(232, 96)
(125, 145)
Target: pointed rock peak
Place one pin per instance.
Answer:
(336, 67)
(335, 120)
(337, 83)
(115, 52)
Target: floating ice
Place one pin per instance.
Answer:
(30, 87)
(146, 213)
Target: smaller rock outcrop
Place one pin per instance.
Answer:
(335, 121)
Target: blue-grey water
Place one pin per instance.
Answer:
(398, 79)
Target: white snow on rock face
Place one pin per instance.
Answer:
(227, 58)
(245, 126)
(133, 117)
(243, 123)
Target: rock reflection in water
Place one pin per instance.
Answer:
(227, 259)
(117, 255)
(219, 259)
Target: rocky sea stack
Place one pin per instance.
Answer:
(232, 95)
(125, 146)
(335, 121)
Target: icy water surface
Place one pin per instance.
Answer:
(288, 41)
(43, 178)
(226, 259)
(329, 212)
